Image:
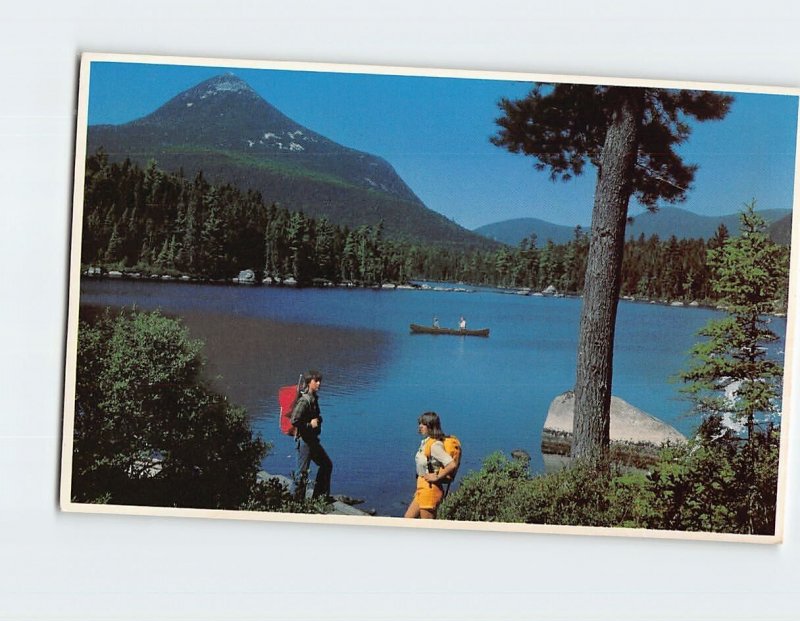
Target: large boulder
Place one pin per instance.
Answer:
(636, 436)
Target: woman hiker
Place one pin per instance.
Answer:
(429, 492)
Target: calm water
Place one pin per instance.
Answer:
(493, 393)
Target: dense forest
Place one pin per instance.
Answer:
(149, 221)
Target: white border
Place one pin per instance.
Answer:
(74, 301)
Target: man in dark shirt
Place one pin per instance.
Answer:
(307, 420)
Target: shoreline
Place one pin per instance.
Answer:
(98, 273)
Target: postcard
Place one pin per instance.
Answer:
(362, 295)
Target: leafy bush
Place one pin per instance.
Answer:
(482, 494)
(581, 495)
(504, 491)
(148, 431)
(716, 483)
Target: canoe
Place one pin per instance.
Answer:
(417, 329)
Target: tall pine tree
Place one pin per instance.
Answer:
(629, 134)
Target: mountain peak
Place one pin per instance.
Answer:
(223, 111)
(227, 130)
(225, 83)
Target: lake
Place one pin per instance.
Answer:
(493, 393)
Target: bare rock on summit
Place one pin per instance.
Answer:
(635, 435)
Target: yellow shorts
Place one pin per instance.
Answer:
(428, 495)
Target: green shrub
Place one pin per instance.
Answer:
(504, 491)
(480, 494)
(148, 431)
(716, 483)
(579, 495)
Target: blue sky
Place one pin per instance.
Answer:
(435, 132)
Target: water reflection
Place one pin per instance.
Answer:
(249, 358)
(254, 357)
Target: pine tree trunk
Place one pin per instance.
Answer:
(603, 269)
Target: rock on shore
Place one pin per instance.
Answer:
(636, 436)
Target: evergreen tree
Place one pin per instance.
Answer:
(299, 236)
(377, 254)
(212, 258)
(732, 381)
(673, 274)
(732, 374)
(275, 242)
(630, 135)
(530, 261)
(720, 236)
(503, 267)
(349, 264)
(548, 265)
(164, 259)
(325, 251)
(114, 249)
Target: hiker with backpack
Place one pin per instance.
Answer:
(436, 464)
(307, 421)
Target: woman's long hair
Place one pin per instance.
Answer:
(434, 425)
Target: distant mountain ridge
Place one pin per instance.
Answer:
(512, 232)
(225, 129)
(685, 224)
(665, 222)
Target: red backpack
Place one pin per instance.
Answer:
(287, 398)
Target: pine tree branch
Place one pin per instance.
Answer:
(661, 178)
